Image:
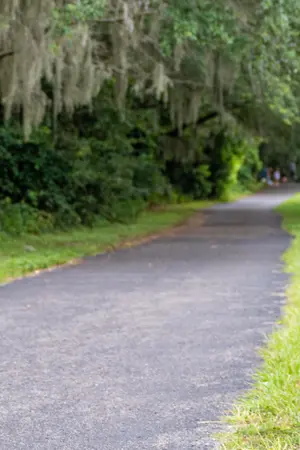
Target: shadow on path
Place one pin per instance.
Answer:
(144, 348)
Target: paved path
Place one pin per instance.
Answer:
(140, 349)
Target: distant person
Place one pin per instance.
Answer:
(264, 175)
(293, 170)
(277, 177)
(269, 177)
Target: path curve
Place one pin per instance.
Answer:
(147, 347)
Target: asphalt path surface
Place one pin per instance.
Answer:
(148, 347)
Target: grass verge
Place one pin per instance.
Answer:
(26, 254)
(269, 415)
(238, 193)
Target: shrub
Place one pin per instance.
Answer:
(22, 218)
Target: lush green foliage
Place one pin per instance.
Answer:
(238, 58)
(105, 166)
(179, 92)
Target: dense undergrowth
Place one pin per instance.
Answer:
(100, 165)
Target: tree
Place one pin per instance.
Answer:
(199, 57)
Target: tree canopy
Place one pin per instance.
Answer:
(238, 58)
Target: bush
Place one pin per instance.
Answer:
(33, 172)
(235, 165)
(21, 218)
(189, 179)
(250, 168)
(87, 175)
(111, 167)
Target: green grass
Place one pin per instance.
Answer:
(269, 416)
(62, 247)
(237, 192)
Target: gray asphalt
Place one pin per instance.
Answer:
(147, 347)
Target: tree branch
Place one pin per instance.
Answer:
(6, 54)
(200, 121)
(121, 18)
